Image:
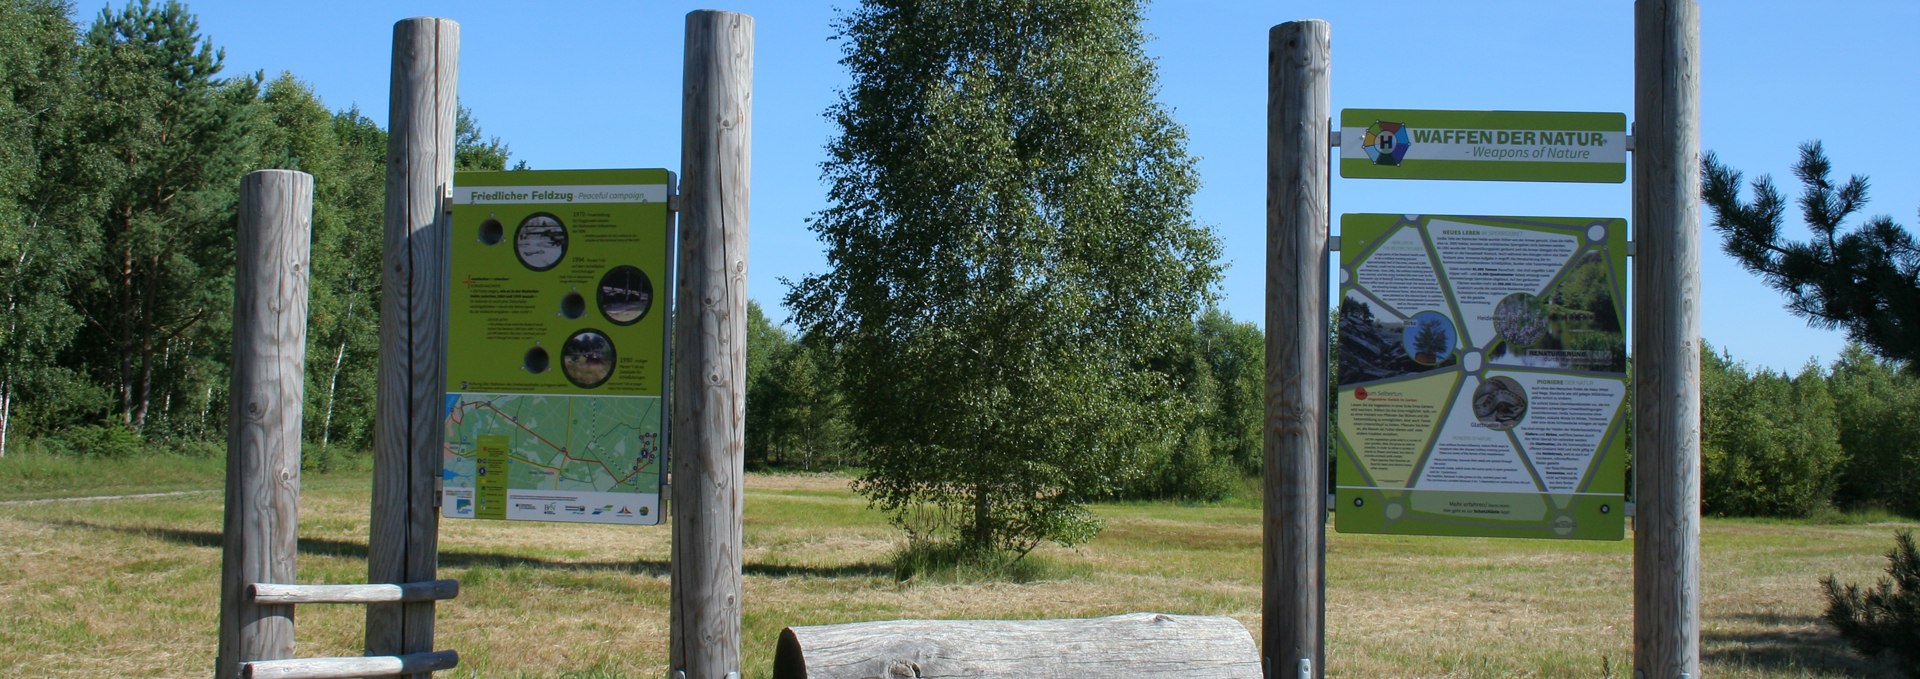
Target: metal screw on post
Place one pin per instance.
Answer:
(1306, 668)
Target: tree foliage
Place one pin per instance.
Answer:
(121, 150)
(1864, 279)
(1885, 617)
(1011, 246)
(1769, 443)
(1877, 408)
(161, 282)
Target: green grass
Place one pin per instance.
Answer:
(129, 587)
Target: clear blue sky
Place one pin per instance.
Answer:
(596, 84)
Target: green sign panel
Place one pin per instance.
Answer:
(1525, 146)
(557, 345)
(1482, 376)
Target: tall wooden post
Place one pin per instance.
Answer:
(1299, 112)
(412, 380)
(710, 345)
(1666, 339)
(263, 422)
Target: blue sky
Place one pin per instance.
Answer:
(596, 84)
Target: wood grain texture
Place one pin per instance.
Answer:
(436, 590)
(412, 379)
(1299, 112)
(1139, 645)
(344, 668)
(1666, 339)
(709, 344)
(263, 423)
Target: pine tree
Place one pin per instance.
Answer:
(163, 279)
(1864, 279)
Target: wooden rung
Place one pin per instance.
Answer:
(436, 590)
(346, 668)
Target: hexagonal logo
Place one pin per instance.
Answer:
(1387, 143)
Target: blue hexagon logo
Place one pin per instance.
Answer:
(1387, 142)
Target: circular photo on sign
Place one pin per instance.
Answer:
(1499, 403)
(573, 304)
(1429, 338)
(626, 293)
(540, 242)
(587, 358)
(491, 231)
(1520, 319)
(536, 361)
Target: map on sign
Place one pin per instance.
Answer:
(557, 345)
(595, 455)
(1482, 376)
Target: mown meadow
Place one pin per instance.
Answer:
(128, 587)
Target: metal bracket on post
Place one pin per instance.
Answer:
(446, 200)
(1333, 243)
(1631, 249)
(1333, 135)
(1630, 129)
(1306, 668)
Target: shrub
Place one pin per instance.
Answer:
(1885, 617)
(104, 441)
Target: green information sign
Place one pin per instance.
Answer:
(557, 345)
(1482, 376)
(1527, 146)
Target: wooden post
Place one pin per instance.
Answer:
(1293, 555)
(710, 345)
(263, 422)
(412, 380)
(1666, 339)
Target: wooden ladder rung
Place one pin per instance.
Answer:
(435, 590)
(346, 668)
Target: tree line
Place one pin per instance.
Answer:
(122, 146)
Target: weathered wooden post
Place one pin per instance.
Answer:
(710, 350)
(1299, 119)
(263, 422)
(412, 379)
(1666, 339)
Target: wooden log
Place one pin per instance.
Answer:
(261, 534)
(345, 668)
(1293, 554)
(408, 425)
(709, 345)
(1666, 339)
(1141, 645)
(436, 590)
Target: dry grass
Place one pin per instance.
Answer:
(128, 588)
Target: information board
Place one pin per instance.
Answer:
(1536, 146)
(557, 345)
(1482, 376)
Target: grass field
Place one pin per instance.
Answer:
(128, 588)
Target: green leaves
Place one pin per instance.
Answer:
(1012, 248)
(1865, 280)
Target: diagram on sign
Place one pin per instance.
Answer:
(1482, 376)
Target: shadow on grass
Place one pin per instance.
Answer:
(466, 559)
(1789, 646)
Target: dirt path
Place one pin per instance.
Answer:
(98, 498)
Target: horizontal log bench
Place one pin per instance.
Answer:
(1146, 645)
